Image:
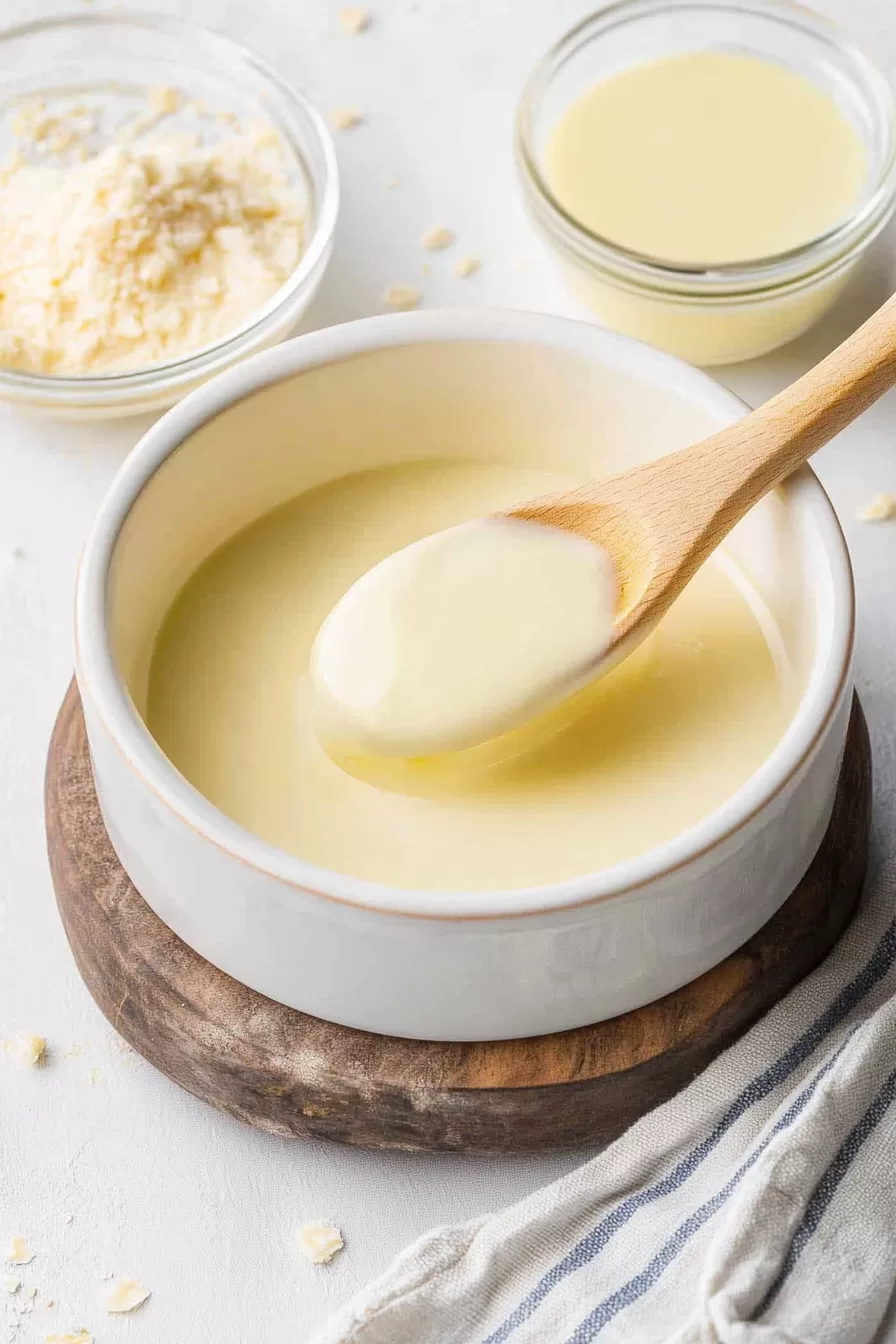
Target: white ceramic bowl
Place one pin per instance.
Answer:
(446, 965)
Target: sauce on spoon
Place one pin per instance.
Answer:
(460, 637)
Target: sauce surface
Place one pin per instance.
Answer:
(654, 746)
(706, 158)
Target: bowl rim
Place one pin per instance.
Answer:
(168, 375)
(108, 699)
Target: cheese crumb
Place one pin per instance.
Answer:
(77, 1337)
(51, 132)
(353, 20)
(402, 297)
(880, 509)
(319, 1242)
(11, 1283)
(163, 100)
(466, 266)
(436, 238)
(18, 1251)
(346, 118)
(125, 1295)
(142, 253)
(30, 1048)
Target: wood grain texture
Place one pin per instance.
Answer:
(660, 521)
(291, 1074)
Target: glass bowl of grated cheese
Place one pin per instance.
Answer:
(167, 207)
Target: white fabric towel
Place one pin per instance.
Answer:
(756, 1207)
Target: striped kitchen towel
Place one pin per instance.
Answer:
(758, 1205)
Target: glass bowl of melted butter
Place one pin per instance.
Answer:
(708, 172)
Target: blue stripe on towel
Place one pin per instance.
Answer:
(877, 966)
(827, 1187)
(630, 1292)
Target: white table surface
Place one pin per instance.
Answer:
(202, 1209)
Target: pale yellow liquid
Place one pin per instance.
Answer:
(706, 158)
(660, 743)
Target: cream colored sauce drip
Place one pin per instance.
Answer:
(708, 157)
(459, 638)
(652, 748)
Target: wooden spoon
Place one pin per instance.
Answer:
(425, 658)
(659, 522)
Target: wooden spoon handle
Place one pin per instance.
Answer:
(686, 504)
(744, 461)
(662, 520)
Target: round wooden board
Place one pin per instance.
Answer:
(291, 1074)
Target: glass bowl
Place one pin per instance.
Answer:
(118, 57)
(721, 314)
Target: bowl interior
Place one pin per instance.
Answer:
(520, 402)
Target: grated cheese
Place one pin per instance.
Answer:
(319, 1242)
(30, 1049)
(346, 118)
(145, 251)
(879, 510)
(125, 1295)
(437, 238)
(354, 20)
(18, 1252)
(401, 297)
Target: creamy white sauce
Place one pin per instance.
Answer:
(644, 753)
(461, 637)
